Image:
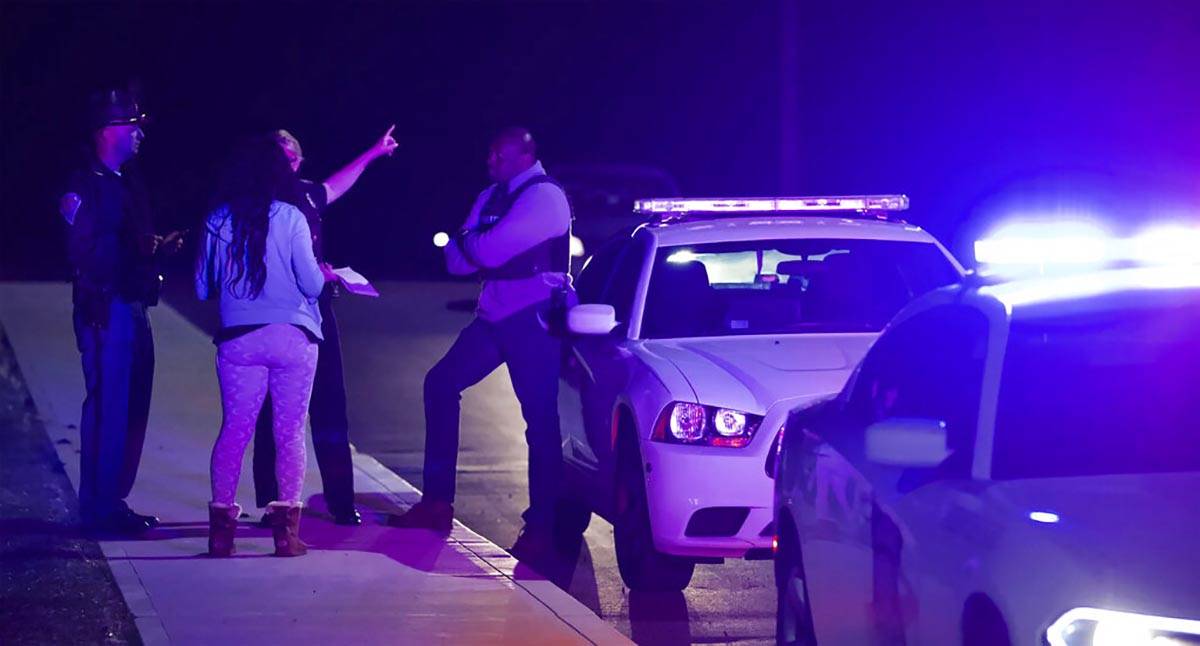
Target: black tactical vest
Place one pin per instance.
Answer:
(553, 255)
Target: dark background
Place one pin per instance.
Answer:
(977, 110)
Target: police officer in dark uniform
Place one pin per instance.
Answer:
(516, 239)
(113, 252)
(327, 408)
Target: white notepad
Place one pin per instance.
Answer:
(354, 282)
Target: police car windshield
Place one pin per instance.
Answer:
(1101, 393)
(787, 286)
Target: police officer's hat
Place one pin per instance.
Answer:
(114, 108)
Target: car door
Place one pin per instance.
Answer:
(597, 368)
(857, 542)
(575, 376)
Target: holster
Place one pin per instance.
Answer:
(554, 313)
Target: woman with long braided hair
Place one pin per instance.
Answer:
(257, 258)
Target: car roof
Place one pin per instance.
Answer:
(769, 226)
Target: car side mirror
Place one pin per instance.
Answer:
(907, 442)
(592, 319)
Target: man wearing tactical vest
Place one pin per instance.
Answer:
(517, 240)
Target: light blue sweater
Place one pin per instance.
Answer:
(294, 279)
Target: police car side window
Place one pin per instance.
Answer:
(592, 279)
(859, 404)
(932, 368)
(625, 278)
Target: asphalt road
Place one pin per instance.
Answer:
(388, 344)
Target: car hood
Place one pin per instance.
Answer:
(752, 373)
(1133, 536)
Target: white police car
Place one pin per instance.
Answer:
(1014, 463)
(696, 335)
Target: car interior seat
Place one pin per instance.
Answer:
(841, 291)
(680, 302)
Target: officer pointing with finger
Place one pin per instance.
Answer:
(516, 239)
(327, 409)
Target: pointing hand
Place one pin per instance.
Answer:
(386, 144)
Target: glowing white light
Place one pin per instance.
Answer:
(1167, 245)
(742, 204)
(1115, 632)
(730, 423)
(1071, 245)
(1043, 516)
(1111, 627)
(1026, 292)
(680, 257)
(1067, 242)
(688, 421)
(1041, 251)
(441, 239)
(576, 247)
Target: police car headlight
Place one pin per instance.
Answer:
(688, 423)
(729, 423)
(1098, 627)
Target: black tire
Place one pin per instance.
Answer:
(642, 567)
(793, 616)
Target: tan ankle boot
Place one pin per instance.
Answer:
(285, 525)
(222, 524)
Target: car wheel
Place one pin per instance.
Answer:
(643, 567)
(793, 618)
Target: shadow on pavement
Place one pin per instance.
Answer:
(654, 617)
(659, 618)
(570, 568)
(422, 550)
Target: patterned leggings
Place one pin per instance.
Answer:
(279, 357)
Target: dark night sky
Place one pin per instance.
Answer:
(967, 107)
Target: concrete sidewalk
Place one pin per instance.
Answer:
(366, 585)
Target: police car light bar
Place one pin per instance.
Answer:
(1046, 247)
(854, 203)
